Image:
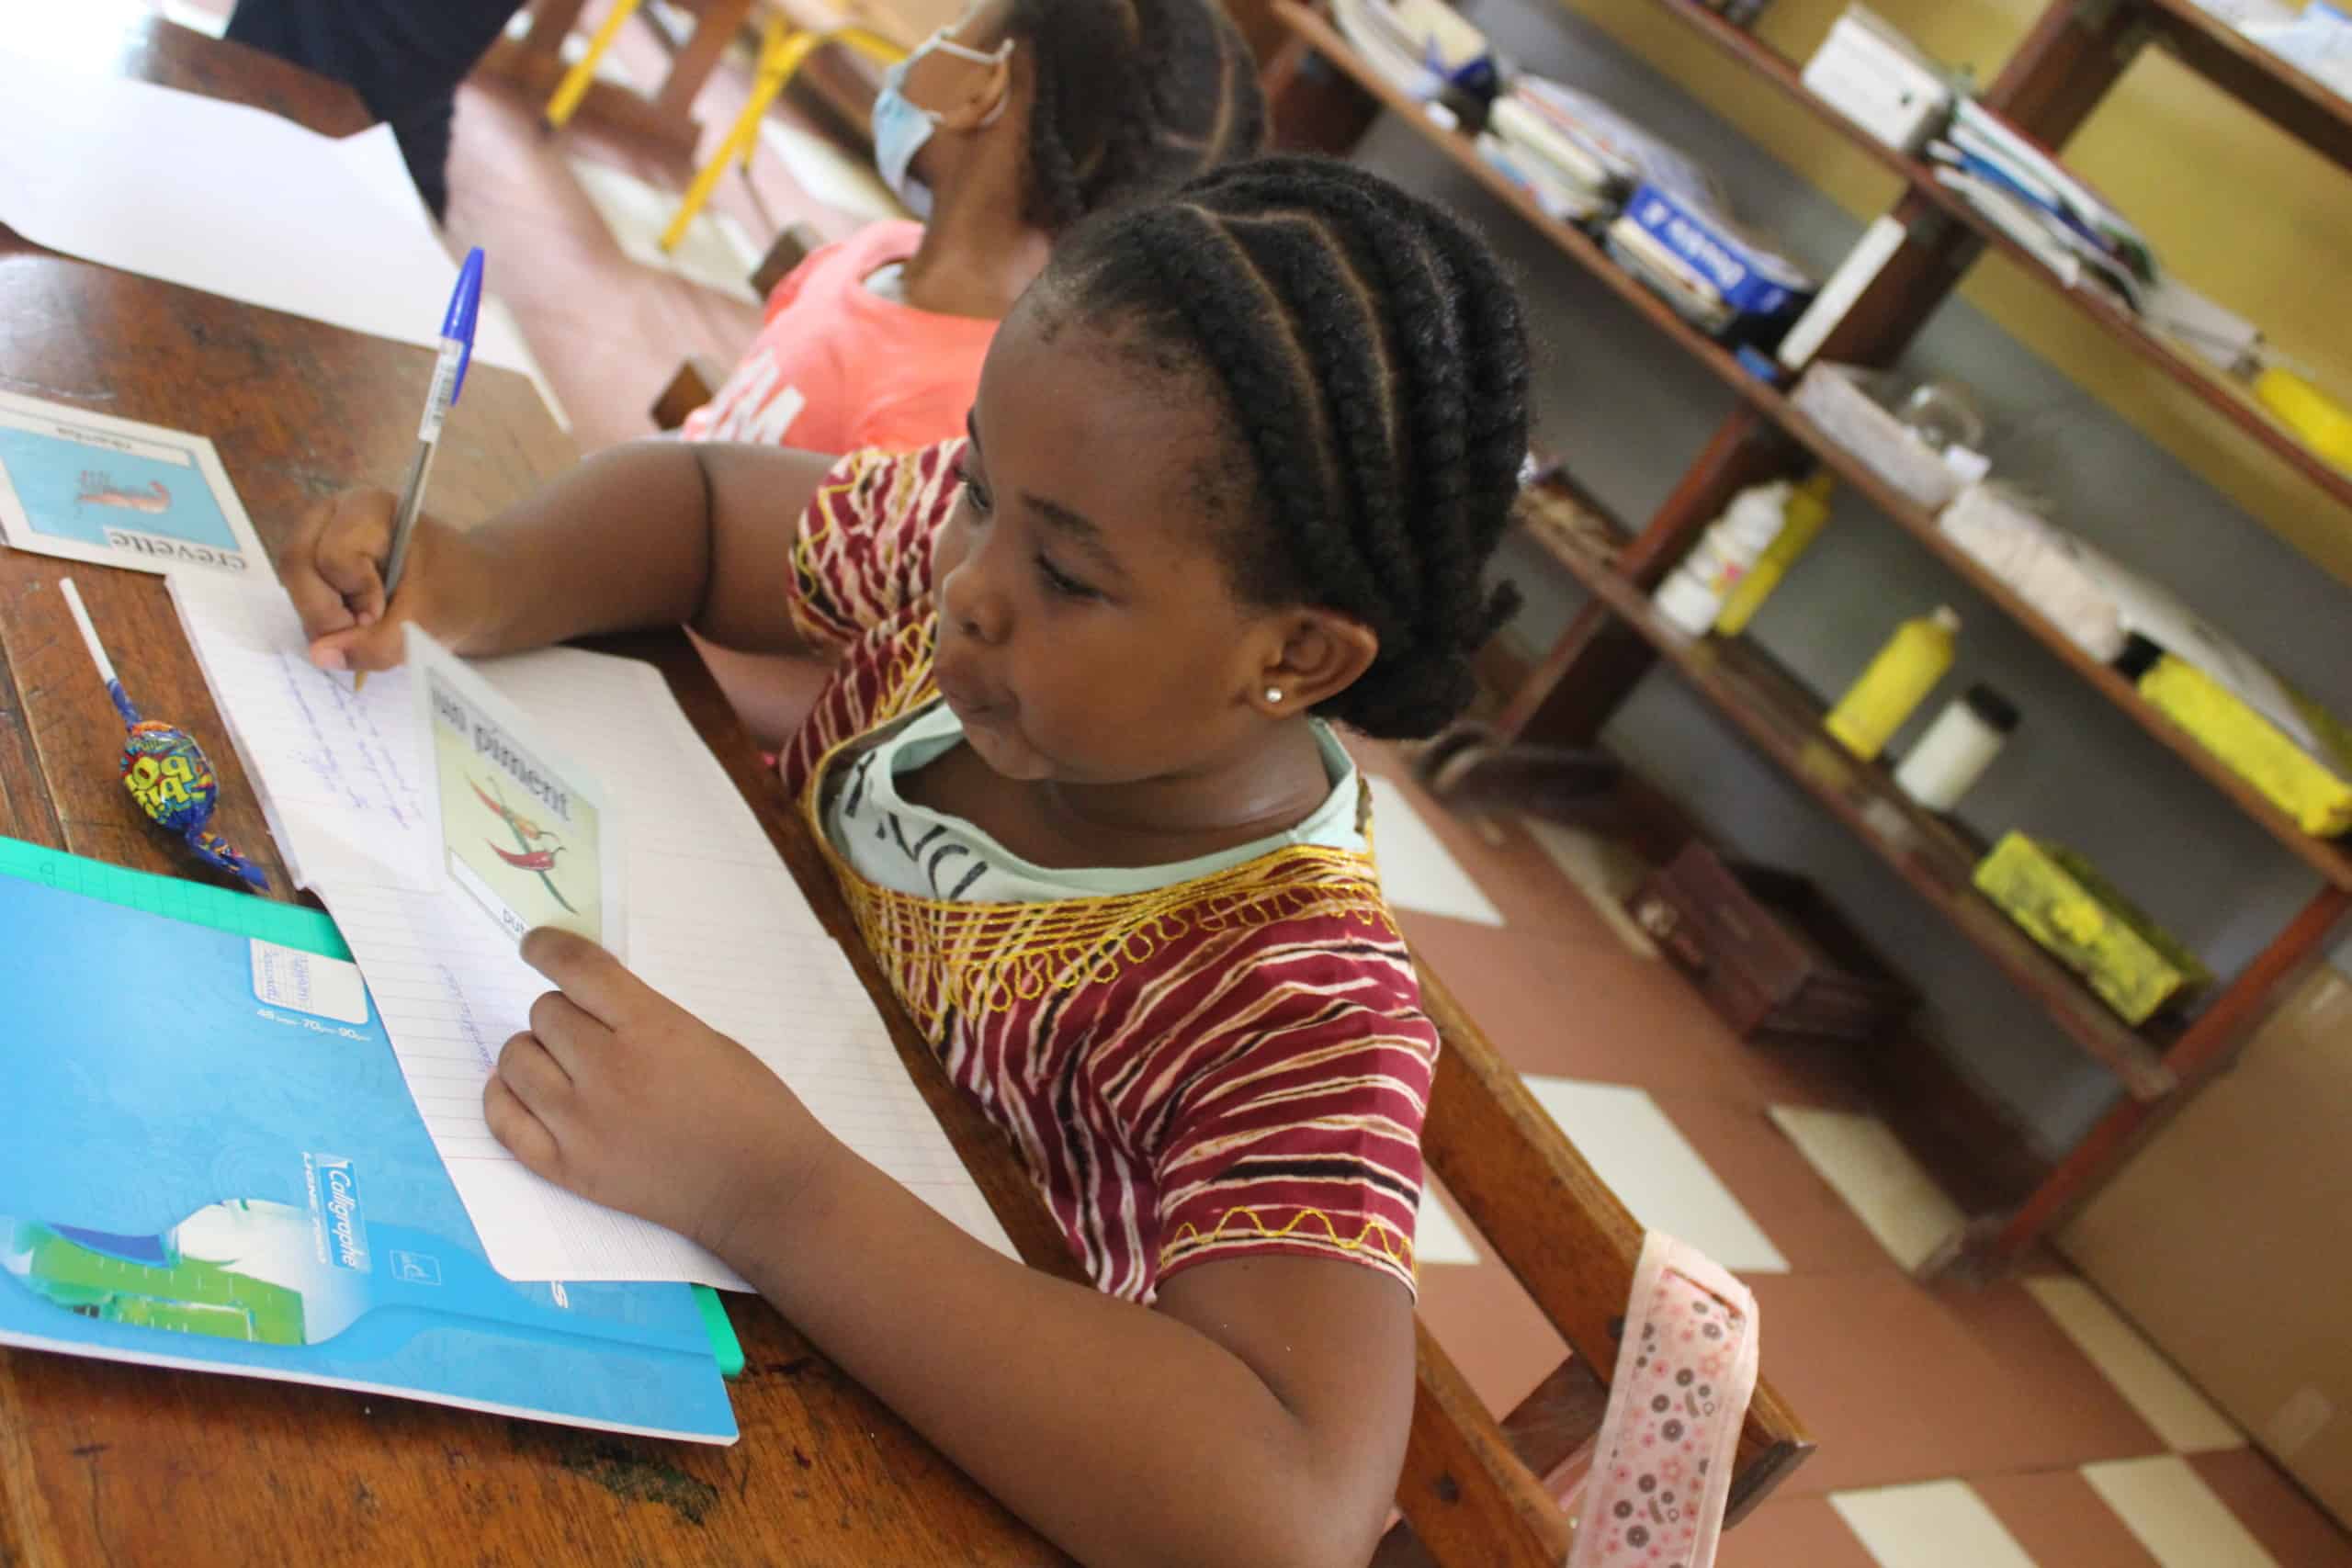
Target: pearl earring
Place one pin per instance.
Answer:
(1274, 694)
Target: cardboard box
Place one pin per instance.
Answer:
(2223, 1240)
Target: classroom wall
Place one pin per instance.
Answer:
(1629, 411)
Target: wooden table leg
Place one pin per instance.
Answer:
(551, 23)
(533, 65)
(714, 31)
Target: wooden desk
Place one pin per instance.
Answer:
(101, 1462)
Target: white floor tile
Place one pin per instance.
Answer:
(716, 253)
(841, 180)
(1438, 1236)
(2171, 1511)
(1606, 872)
(1868, 1166)
(1938, 1524)
(1416, 871)
(1643, 1156)
(2149, 1384)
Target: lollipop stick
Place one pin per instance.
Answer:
(97, 652)
(89, 633)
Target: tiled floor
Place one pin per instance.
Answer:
(2021, 1425)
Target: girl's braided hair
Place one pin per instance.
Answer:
(1373, 365)
(1133, 98)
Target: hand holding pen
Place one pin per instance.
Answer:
(448, 380)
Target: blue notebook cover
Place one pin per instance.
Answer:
(212, 1161)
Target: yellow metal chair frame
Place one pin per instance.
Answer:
(783, 49)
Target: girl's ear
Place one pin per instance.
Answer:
(984, 98)
(1322, 654)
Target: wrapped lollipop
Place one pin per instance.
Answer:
(164, 770)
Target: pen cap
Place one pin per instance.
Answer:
(465, 307)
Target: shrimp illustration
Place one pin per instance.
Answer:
(98, 490)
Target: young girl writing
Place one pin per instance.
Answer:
(1237, 463)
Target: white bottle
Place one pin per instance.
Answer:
(1693, 593)
(1956, 749)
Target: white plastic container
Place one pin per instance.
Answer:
(1693, 594)
(1956, 749)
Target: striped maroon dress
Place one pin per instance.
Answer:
(1233, 1065)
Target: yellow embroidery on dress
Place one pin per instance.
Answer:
(816, 613)
(989, 958)
(1377, 1233)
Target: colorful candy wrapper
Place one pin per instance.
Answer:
(163, 767)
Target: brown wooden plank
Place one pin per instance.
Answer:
(2296, 103)
(26, 810)
(716, 27)
(77, 736)
(2064, 66)
(1783, 721)
(1553, 1430)
(1579, 683)
(1556, 1225)
(696, 380)
(1471, 1502)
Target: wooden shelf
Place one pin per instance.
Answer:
(2298, 104)
(1783, 721)
(2330, 860)
(2178, 363)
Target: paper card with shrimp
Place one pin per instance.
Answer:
(93, 488)
(528, 835)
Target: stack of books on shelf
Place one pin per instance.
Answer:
(1421, 45)
(2025, 193)
(1577, 157)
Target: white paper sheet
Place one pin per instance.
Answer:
(230, 199)
(715, 922)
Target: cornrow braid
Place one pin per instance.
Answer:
(1131, 98)
(1372, 364)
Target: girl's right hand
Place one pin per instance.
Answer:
(333, 570)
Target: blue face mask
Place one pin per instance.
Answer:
(901, 127)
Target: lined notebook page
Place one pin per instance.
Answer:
(715, 922)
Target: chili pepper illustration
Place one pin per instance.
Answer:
(531, 831)
(538, 860)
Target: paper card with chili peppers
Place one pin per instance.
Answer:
(528, 835)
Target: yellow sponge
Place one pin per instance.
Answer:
(2059, 900)
(2316, 791)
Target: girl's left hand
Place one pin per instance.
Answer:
(619, 1094)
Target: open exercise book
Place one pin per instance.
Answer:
(716, 922)
(213, 1165)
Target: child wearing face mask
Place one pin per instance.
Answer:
(998, 133)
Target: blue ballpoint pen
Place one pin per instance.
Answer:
(448, 380)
